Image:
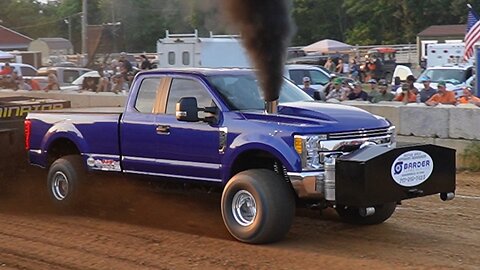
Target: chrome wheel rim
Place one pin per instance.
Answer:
(244, 208)
(60, 186)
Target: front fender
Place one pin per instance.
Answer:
(276, 146)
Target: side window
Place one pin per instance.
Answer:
(187, 88)
(186, 58)
(28, 71)
(297, 76)
(146, 95)
(469, 73)
(70, 75)
(171, 58)
(318, 77)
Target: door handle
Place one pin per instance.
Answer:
(163, 130)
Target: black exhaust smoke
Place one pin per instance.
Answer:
(265, 29)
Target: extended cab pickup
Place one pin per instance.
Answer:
(210, 126)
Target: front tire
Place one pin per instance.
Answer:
(64, 181)
(351, 214)
(258, 206)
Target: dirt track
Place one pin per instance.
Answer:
(132, 226)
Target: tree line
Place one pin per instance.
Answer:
(138, 24)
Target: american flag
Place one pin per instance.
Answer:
(473, 33)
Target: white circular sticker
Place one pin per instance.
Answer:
(412, 168)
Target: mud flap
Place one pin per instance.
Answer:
(375, 175)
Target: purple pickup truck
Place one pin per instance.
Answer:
(210, 126)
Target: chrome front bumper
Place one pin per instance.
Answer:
(308, 185)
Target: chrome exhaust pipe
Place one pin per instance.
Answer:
(271, 107)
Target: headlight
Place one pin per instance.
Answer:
(308, 147)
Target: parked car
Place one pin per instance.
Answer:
(78, 82)
(318, 77)
(65, 75)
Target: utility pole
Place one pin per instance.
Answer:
(84, 31)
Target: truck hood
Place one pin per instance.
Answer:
(330, 117)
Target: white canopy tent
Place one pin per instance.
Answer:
(4, 55)
(327, 46)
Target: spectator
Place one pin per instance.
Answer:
(126, 66)
(427, 92)
(34, 85)
(357, 93)
(145, 63)
(330, 65)
(383, 94)
(410, 82)
(468, 97)
(339, 67)
(329, 87)
(307, 88)
(373, 87)
(22, 85)
(442, 96)
(354, 70)
(337, 92)
(6, 70)
(119, 84)
(90, 84)
(52, 83)
(397, 83)
(9, 82)
(407, 96)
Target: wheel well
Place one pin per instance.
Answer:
(258, 159)
(59, 148)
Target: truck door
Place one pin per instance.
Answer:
(188, 150)
(138, 135)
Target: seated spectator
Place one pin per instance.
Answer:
(383, 93)
(52, 83)
(119, 84)
(357, 93)
(9, 82)
(90, 84)
(443, 96)
(6, 70)
(34, 85)
(336, 92)
(468, 97)
(407, 96)
(329, 87)
(373, 87)
(22, 85)
(427, 92)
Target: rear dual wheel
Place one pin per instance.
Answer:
(64, 181)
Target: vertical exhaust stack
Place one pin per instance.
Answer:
(266, 30)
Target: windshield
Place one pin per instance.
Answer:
(242, 92)
(453, 76)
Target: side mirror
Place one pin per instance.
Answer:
(187, 110)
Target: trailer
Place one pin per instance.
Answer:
(190, 50)
(446, 54)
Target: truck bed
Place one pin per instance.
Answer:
(95, 130)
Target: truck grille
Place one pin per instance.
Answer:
(359, 134)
